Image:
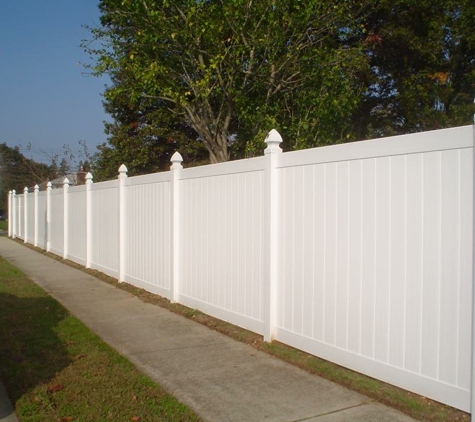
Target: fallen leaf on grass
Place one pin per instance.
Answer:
(55, 388)
(134, 398)
(67, 419)
(135, 419)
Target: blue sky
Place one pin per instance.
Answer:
(45, 98)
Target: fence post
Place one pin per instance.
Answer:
(175, 169)
(10, 213)
(272, 153)
(25, 215)
(88, 220)
(14, 214)
(35, 241)
(49, 186)
(122, 221)
(472, 381)
(65, 218)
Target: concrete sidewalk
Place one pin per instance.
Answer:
(7, 414)
(219, 378)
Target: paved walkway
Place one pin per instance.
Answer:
(7, 413)
(219, 378)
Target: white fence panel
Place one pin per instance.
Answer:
(221, 241)
(105, 227)
(375, 259)
(20, 216)
(362, 255)
(30, 218)
(42, 220)
(77, 224)
(57, 222)
(148, 233)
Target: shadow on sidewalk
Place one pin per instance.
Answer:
(30, 351)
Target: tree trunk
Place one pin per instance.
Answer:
(215, 139)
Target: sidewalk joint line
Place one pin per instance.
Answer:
(334, 411)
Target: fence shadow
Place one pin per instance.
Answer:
(30, 351)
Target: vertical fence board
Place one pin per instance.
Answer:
(368, 253)
(449, 274)
(465, 305)
(30, 216)
(148, 233)
(105, 227)
(331, 259)
(354, 255)
(57, 222)
(342, 256)
(308, 251)
(77, 224)
(414, 263)
(318, 240)
(382, 258)
(431, 265)
(42, 220)
(20, 221)
(397, 270)
(221, 245)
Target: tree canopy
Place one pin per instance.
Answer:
(216, 75)
(421, 58)
(229, 70)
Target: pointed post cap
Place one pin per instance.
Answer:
(37, 188)
(273, 139)
(89, 178)
(176, 160)
(122, 172)
(25, 190)
(66, 181)
(14, 192)
(49, 186)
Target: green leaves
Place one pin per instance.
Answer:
(232, 69)
(419, 80)
(223, 73)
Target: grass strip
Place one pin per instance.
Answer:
(414, 405)
(55, 369)
(3, 225)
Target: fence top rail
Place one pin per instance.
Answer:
(77, 189)
(145, 179)
(438, 140)
(110, 184)
(221, 169)
(57, 191)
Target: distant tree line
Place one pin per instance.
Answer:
(18, 171)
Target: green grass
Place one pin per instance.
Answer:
(55, 369)
(3, 225)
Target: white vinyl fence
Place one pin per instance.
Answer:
(361, 253)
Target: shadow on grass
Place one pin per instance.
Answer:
(30, 351)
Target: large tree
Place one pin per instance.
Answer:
(143, 134)
(230, 70)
